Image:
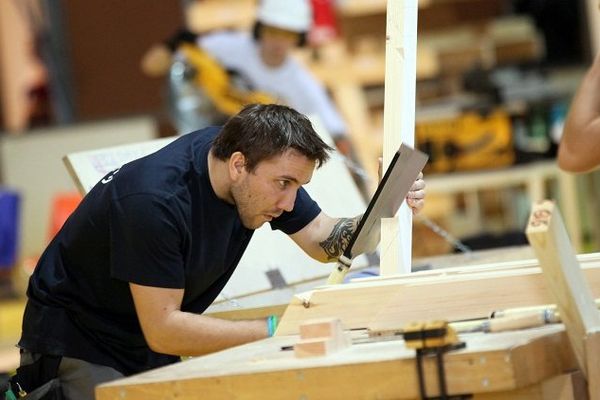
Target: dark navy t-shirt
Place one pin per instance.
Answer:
(155, 222)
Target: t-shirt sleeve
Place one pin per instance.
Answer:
(305, 210)
(145, 242)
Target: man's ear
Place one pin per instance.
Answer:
(237, 165)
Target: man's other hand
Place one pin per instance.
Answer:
(416, 196)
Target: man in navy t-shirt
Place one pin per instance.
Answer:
(122, 286)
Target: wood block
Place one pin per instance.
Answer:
(320, 337)
(319, 347)
(321, 328)
(314, 347)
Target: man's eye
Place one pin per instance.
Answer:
(283, 184)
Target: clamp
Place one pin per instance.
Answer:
(433, 338)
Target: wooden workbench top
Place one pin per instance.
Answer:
(490, 363)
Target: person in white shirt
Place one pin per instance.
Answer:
(261, 61)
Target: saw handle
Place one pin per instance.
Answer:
(341, 269)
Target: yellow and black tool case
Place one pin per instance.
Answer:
(469, 141)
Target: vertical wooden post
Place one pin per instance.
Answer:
(399, 121)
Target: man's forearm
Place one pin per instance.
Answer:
(339, 237)
(188, 334)
(169, 330)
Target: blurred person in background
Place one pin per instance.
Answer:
(257, 61)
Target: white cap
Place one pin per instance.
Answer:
(292, 15)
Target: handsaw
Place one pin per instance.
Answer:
(402, 172)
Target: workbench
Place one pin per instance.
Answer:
(523, 364)
(510, 365)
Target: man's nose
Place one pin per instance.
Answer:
(286, 203)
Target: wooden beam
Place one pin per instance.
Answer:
(565, 282)
(399, 119)
(450, 297)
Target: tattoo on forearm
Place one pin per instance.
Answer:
(339, 238)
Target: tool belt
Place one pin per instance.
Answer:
(36, 381)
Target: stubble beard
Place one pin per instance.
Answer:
(242, 202)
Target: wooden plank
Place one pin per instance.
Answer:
(480, 261)
(448, 297)
(399, 119)
(491, 363)
(261, 305)
(565, 282)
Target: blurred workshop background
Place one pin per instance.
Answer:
(494, 82)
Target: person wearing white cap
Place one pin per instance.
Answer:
(260, 60)
(263, 61)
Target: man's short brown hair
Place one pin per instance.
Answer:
(263, 131)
